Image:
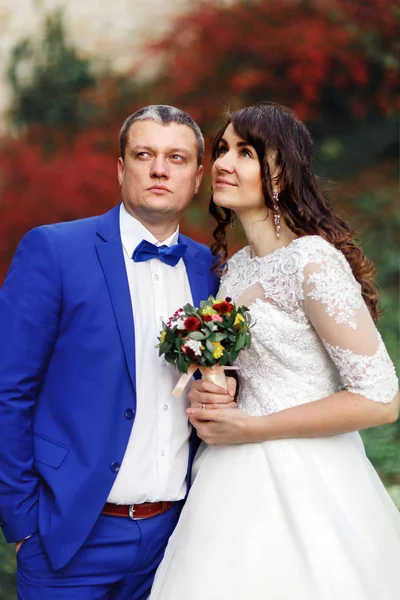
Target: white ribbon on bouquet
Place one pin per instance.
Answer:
(215, 374)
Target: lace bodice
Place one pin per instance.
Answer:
(312, 332)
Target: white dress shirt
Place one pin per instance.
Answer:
(156, 458)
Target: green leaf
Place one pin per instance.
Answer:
(210, 346)
(178, 342)
(171, 335)
(162, 348)
(218, 337)
(166, 347)
(209, 302)
(209, 357)
(190, 310)
(182, 364)
(230, 321)
(198, 335)
(240, 343)
(224, 359)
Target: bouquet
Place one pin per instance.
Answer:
(207, 338)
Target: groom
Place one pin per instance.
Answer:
(94, 450)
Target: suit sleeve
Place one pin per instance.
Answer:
(30, 305)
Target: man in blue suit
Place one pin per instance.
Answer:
(94, 450)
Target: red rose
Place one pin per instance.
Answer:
(206, 318)
(192, 324)
(223, 307)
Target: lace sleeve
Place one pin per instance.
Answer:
(335, 307)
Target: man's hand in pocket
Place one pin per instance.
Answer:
(18, 546)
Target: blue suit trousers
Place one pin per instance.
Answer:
(118, 561)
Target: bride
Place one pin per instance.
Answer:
(284, 504)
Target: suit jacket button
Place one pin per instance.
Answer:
(129, 413)
(115, 466)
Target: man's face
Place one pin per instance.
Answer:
(159, 175)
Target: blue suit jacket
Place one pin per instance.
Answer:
(67, 377)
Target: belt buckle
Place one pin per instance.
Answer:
(131, 512)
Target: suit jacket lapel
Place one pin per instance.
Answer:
(198, 274)
(110, 253)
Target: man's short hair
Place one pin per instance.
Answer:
(163, 114)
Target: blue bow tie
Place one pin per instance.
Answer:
(170, 255)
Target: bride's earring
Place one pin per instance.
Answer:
(277, 216)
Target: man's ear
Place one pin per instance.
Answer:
(120, 167)
(199, 177)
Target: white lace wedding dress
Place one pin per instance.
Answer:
(292, 519)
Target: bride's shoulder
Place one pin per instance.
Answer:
(315, 249)
(314, 254)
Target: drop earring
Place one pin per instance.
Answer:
(277, 216)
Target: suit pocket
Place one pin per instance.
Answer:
(48, 451)
(30, 548)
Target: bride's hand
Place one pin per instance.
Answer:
(204, 394)
(222, 426)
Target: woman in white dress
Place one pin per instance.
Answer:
(285, 504)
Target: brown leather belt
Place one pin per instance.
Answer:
(136, 511)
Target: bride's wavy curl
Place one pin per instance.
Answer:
(306, 210)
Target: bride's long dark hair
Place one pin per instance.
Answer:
(270, 127)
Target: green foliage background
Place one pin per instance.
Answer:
(57, 72)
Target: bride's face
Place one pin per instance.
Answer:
(236, 174)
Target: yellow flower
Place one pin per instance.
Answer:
(163, 335)
(218, 350)
(239, 319)
(208, 311)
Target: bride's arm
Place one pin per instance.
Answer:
(339, 413)
(334, 306)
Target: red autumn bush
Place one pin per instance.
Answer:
(336, 56)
